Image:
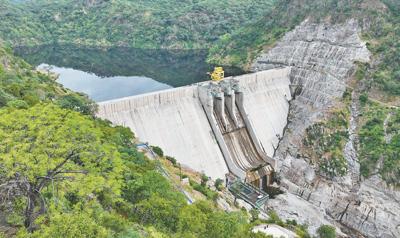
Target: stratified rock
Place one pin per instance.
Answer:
(322, 57)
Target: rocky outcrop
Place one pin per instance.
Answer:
(322, 57)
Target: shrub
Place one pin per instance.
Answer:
(171, 159)
(254, 214)
(19, 104)
(363, 99)
(158, 151)
(273, 217)
(80, 104)
(218, 184)
(326, 231)
(204, 180)
(204, 190)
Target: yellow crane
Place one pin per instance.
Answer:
(218, 74)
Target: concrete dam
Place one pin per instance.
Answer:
(219, 128)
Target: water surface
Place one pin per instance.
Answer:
(103, 88)
(117, 72)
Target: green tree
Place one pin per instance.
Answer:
(78, 103)
(159, 212)
(70, 225)
(254, 214)
(46, 145)
(223, 225)
(192, 220)
(326, 231)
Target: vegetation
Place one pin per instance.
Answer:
(379, 134)
(325, 141)
(65, 173)
(206, 191)
(158, 151)
(141, 24)
(381, 29)
(233, 32)
(242, 46)
(326, 231)
(300, 230)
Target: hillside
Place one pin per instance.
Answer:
(380, 22)
(340, 153)
(93, 182)
(155, 24)
(339, 157)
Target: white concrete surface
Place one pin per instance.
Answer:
(274, 230)
(265, 100)
(175, 119)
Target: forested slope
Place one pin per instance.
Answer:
(64, 173)
(153, 24)
(380, 22)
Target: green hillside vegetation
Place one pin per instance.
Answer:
(64, 173)
(380, 19)
(324, 141)
(380, 142)
(234, 32)
(174, 24)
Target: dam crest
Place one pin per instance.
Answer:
(219, 128)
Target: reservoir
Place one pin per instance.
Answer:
(105, 74)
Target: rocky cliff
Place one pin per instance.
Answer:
(323, 58)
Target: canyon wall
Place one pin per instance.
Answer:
(322, 57)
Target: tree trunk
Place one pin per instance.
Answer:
(34, 200)
(29, 210)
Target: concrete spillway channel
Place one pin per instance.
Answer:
(223, 105)
(230, 127)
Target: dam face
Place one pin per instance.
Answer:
(232, 126)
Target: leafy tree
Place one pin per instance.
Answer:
(70, 225)
(19, 104)
(160, 212)
(326, 231)
(223, 225)
(204, 180)
(254, 214)
(45, 145)
(158, 151)
(78, 103)
(218, 184)
(192, 220)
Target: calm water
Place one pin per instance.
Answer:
(103, 88)
(120, 72)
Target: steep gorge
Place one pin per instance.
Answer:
(323, 57)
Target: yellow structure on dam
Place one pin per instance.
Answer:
(229, 127)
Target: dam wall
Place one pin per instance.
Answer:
(178, 120)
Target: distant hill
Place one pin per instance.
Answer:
(172, 24)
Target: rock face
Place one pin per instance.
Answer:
(322, 57)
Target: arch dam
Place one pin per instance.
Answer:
(231, 127)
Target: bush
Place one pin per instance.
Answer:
(326, 231)
(171, 159)
(218, 184)
(19, 104)
(80, 104)
(204, 180)
(204, 190)
(363, 99)
(254, 214)
(158, 151)
(273, 217)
